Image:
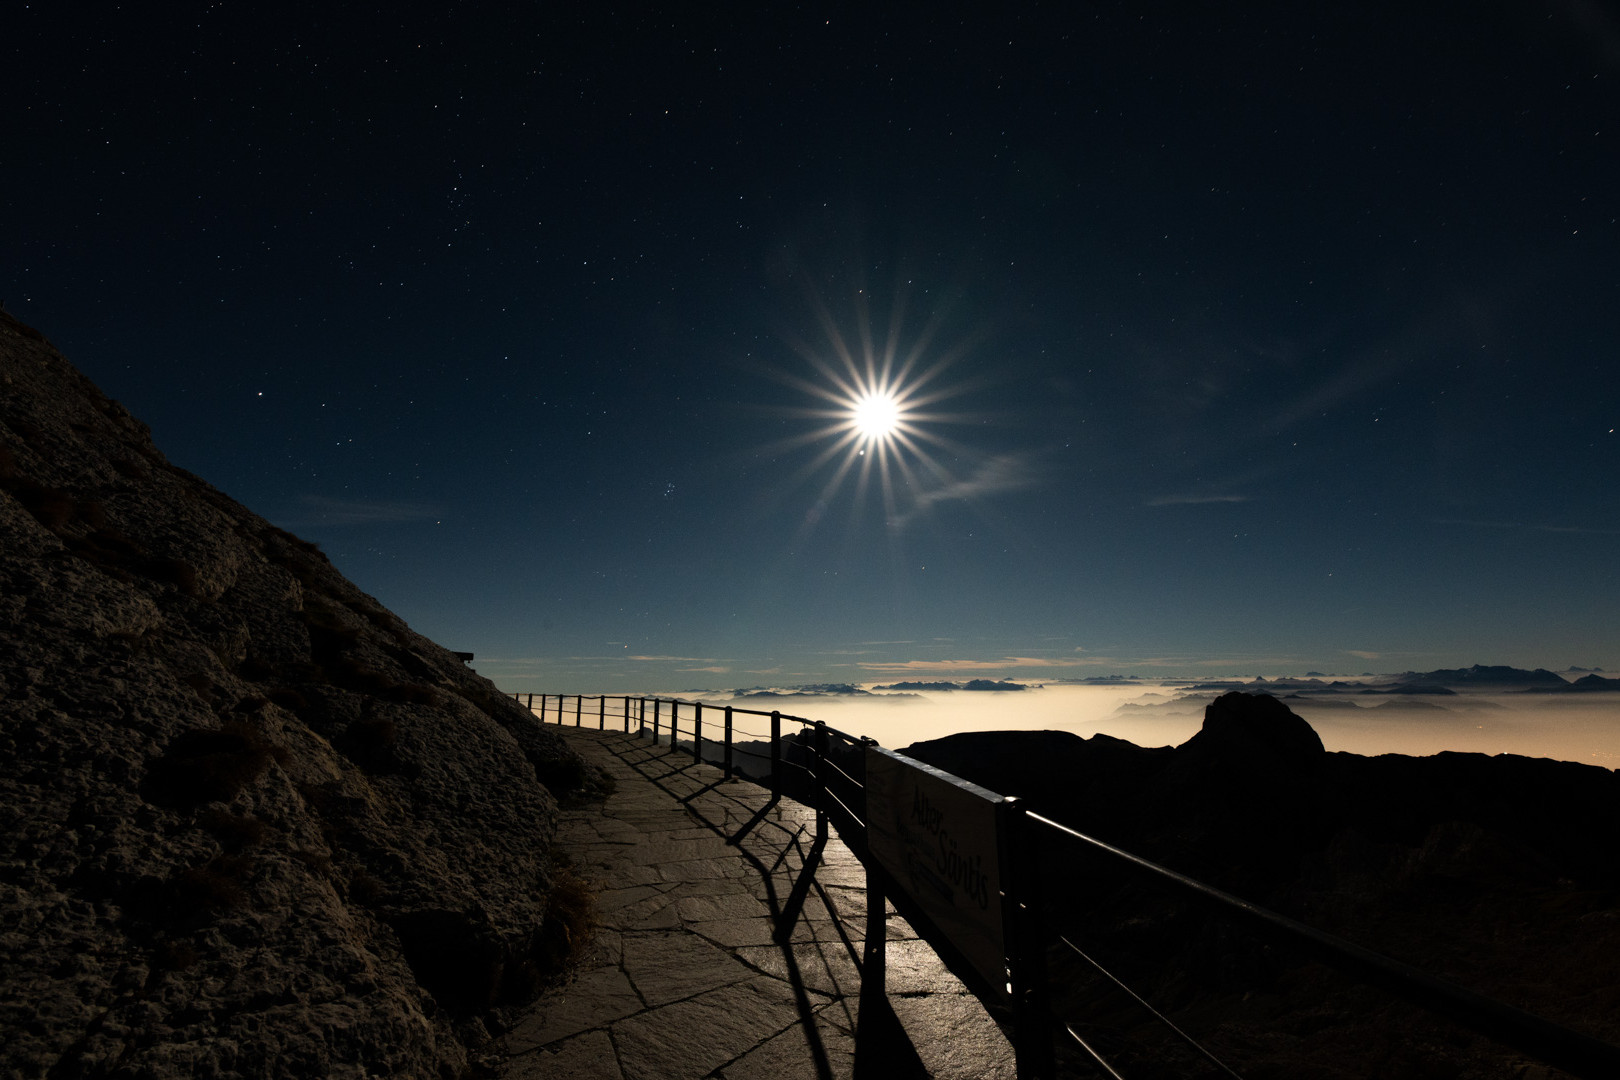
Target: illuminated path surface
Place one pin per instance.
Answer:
(684, 981)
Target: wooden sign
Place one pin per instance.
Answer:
(935, 835)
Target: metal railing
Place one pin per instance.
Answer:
(824, 768)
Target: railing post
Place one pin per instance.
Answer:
(601, 713)
(819, 742)
(1025, 941)
(875, 949)
(642, 718)
(674, 723)
(776, 752)
(627, 714)
(728, 742)
(657, 707)
(697, 734)
(531, 703)
(579, 703)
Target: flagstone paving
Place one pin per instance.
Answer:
(685, 978)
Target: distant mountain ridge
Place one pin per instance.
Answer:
(1494, 676)
(1587, 684)
(971, 684)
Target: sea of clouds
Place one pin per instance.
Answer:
(1584, 728)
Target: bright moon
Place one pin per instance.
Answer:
(876, 416)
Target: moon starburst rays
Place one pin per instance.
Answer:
(877, 404)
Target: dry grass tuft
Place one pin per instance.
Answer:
(208, 765)
(566, 933)
(177, 572)
(218, 885)
(51, 507)
(131, 469)
(235, 832)
(366, 890)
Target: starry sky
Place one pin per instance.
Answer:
(1254, 338)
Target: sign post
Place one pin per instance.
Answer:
(936, 835)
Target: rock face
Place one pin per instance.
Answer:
(250, 823)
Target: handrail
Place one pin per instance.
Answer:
(1578, 1054)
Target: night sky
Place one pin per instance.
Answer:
(1228, 339)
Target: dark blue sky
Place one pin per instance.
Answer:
(1257, 340)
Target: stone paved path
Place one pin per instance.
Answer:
(684, 979)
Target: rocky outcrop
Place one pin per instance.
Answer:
(251, 824)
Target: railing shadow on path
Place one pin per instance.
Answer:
(883, 1048)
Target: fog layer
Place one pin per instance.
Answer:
(1583, 729)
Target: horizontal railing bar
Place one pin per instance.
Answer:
(1096, 1058)
(857, 818)
(860, 784)
(1157, 1015)
(1559, 1046)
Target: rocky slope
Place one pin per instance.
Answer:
(251, 824)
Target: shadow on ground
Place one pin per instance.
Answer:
(730, 945)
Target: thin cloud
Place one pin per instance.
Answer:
(1195, 500)
(1527, 525)
(540, 659)
(321, 510)
(1363, 654)
(714, 670)
(1005, 472)
(681, 659)
(900, 666)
